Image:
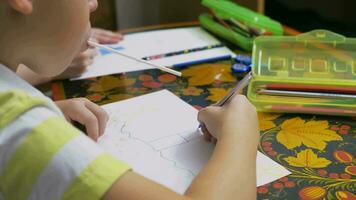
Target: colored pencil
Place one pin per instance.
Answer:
(309, 88)
(305, 94)
(313, 110)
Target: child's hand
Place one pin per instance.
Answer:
(81, 110)
(86, 58)
(79, 64)
(237, 118)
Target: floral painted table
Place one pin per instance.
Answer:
(320, 151)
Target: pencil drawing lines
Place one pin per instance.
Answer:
(129, 134)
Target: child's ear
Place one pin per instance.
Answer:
(22, 6)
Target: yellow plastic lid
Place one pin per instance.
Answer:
(317, 57)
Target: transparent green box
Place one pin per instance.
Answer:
(319, 62)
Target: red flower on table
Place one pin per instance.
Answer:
(322, 172)
(289, 184)
(342, 130)
(262, 190)
(345, 176)
(151, 84)
(145, 77)
(167, 78)
(277, 185)
(343, 156)
(334, 175)
(312, 193)
(267, 147)
(351, 170)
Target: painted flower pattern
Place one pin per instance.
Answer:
(314, 134)
(192, 91)
(207, 73)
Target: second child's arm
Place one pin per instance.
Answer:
(231, 172)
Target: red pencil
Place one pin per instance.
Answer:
(309, 88)
(313, 110)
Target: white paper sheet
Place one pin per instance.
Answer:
(157, 135)
(152, 43)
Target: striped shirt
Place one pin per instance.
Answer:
(41, 155)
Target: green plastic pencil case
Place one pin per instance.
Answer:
(314, 73)
(227, 10)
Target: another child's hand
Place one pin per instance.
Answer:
(81, 110)
(237, 118)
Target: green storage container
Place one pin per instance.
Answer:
(314, 72)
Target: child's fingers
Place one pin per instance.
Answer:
(109, 34)
(84, 58)
(90, 121)
(89, 53)
(100, 114)
(105, 36)
(205, 114)
(206, 134)
(109, 40)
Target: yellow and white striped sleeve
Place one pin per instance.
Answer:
(44, 157)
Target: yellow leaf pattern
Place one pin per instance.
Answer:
(266, 120)
(115, 98)
(217, 94)
(207, 73)
(108, 83)
(192, 91)
(314, 134)
(307, 158)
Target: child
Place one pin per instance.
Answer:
(79, 109)
(44, 157)
(80, 62)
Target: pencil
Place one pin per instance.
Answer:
(305, 94)
(313, 110)
(309, 88)
(166, 69)
(221, 21)
(238, 88)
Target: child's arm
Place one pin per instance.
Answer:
(230, 173)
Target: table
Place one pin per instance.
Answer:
(318, 150)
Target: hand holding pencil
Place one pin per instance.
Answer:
(236, 120)
(229, 97)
